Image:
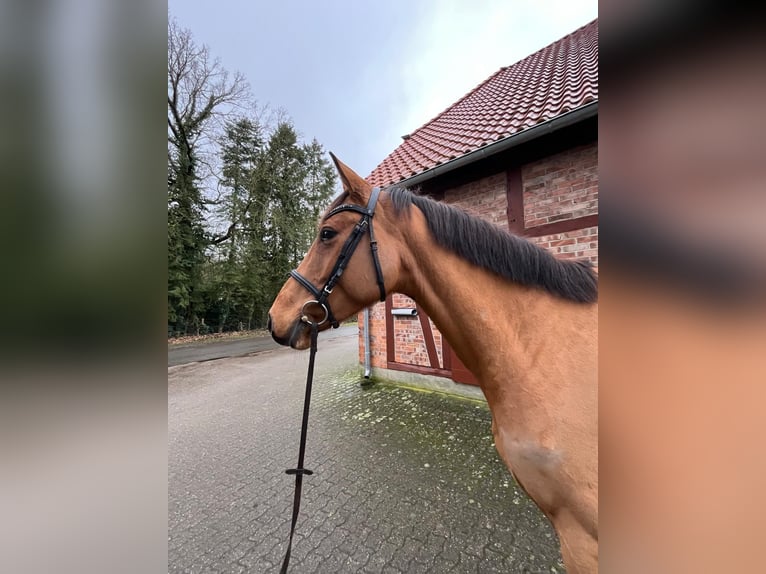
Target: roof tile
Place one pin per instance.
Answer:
(554, 80)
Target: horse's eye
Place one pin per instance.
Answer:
(326, 234)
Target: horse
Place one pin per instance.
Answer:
(523, 321)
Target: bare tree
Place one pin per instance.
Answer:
(200, 92)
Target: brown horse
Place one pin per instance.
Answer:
(524, 322)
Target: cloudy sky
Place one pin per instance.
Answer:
(358, 75)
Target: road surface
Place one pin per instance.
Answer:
(210, 350)
(405, 482)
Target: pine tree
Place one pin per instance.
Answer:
(240, 282)
(274, 192)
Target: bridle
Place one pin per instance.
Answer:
(321, 295)
(320, 298)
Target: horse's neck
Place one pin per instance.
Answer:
(472, 308)
(499, 329)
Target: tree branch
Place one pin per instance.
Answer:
(225, 236)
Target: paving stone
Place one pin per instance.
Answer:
(392, 492)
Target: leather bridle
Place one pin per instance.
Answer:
(321, 295)
(320, 298)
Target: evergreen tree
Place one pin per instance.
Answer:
(274, 189)
(244, 205)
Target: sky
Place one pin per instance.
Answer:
(358, 75)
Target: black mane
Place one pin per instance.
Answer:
(496, 250)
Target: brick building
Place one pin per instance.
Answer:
(519, 150)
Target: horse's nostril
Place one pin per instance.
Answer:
(268, 323)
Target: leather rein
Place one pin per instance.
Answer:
(364, 225)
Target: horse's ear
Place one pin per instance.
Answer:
(357, 187)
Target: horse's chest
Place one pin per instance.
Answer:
(535, 466)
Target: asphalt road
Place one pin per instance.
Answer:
(405, 482)
(207, 351)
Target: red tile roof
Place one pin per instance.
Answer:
(555, 80)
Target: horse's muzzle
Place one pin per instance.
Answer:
(285, 341)
(297, 336)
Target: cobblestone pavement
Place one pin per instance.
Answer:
(405, 481)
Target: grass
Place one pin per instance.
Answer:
(231, 335)
(210, 337)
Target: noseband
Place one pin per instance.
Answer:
(321, 295)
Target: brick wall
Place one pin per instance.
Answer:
(377, 336)
(485, 198)
(562, 186)
(578, 244)
(409, 347)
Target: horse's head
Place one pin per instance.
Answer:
(343, 272)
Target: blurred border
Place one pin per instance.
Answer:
(682, 275)
(682, 286)
(82, 233)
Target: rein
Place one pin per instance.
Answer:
(300, 471)
(320, 300)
